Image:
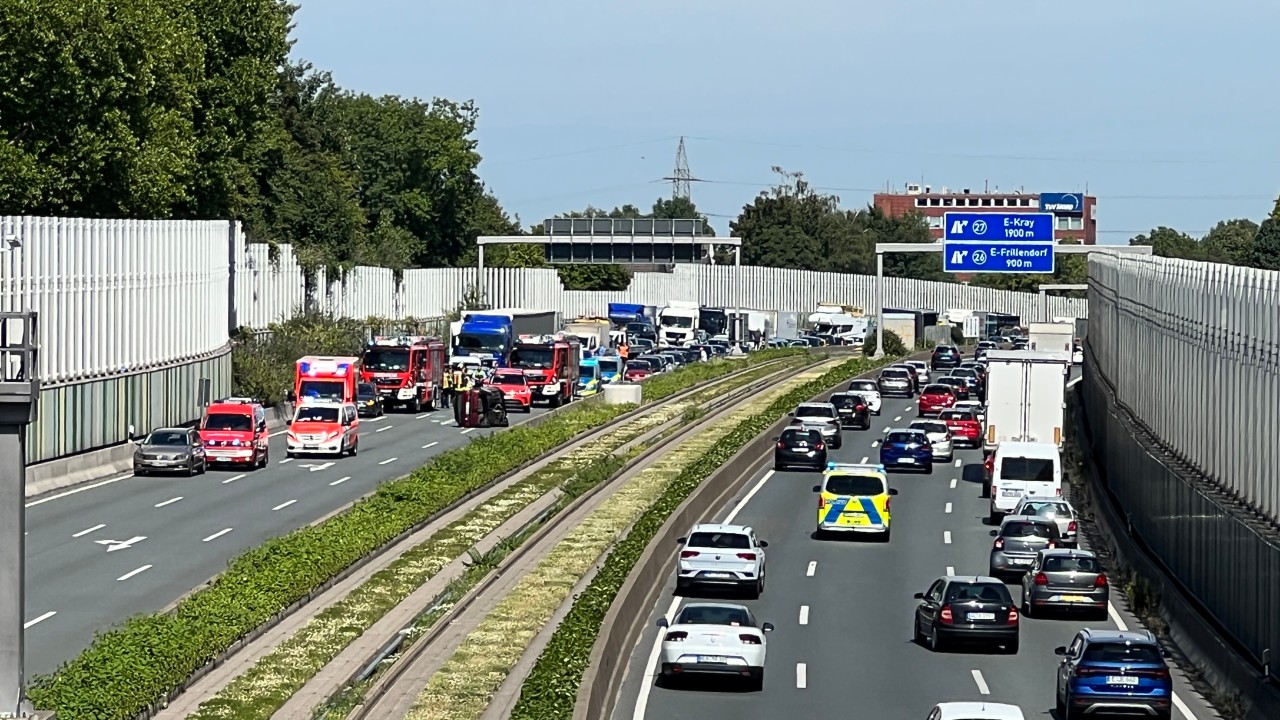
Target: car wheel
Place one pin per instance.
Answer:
(928, 470)
(355, 448)
(1026, 606)
(753, 592)
(917, 636)
(204, 466)
(290, 455)
(935, 640)
(1011, 648)
(139, 473)
(191, 468)
(757, 680)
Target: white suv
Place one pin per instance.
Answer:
(1058, 510)
(868, 389)
(721, 556)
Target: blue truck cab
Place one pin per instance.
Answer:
(632, 319)
(486, 337)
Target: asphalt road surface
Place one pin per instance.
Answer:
(171, 534)
(843, 608)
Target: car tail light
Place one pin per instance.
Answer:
(1058, 492)
(819, 446)
(1100, 581)
(1072, 526)
(1052, 544)
(688, 554)
(782, 446)
(1088, 671)
(677, 636)
(861, 407)
(998, 544)
(945, 615)
(822, 502)
(886, 504)
(747, 556)
(1042, 579)
(1013, 616)
(1160, 673)
(749, 639)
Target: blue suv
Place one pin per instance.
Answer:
(907, 448)
(1112, 671)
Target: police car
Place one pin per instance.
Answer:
(854, 498)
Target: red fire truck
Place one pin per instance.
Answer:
(551, 368)
(408, 370)
(326, 378)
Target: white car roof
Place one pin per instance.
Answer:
(979, 711)
(718, 528)
(816, 405)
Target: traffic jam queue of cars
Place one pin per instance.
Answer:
(1035, 539)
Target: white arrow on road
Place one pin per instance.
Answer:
(114, 545)
(321, 466)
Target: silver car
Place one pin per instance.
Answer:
(1057, 510)
(896, 381)
(1065, 580)
(168, 450)
(823, 417)
(922, 370)
(1018, 541)
(939, 437)
(726, 557)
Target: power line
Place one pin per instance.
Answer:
(584, 151)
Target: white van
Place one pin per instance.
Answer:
(1024, 469)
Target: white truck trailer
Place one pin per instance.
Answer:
(1051, 336)
(1026, 397)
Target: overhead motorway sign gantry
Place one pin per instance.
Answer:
(998, 242)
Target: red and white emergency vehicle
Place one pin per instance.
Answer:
(234, 432)
(326, 378)
(407, 370)
(551, 368)
(323, 427)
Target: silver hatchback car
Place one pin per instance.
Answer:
(1065, 581)
(896, 381)
(1018, 541)
(726, 557)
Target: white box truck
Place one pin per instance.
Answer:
(1051, 336)
(1026, 397)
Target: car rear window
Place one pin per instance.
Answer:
(509, 379)
(711, 615)
(791, 435)
(956, 415)
(937, 389)
(1026, 469)
(1122, 653)
(929, 426)
(1025, 529)
(982, 592)
(862, 385)
(896, 374)
(845, 401)
(1045, 509)
(1072, 564)
(854, 485)
(818, 411)
(728, 541)
(964, 372)
(904, 437)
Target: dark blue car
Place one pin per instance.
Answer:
(906, 448)
(1112, 671)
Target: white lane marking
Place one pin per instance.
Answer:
(217, 535)
(813, 568)
(442, 422)
(232, 479)
(286, 460)
(464, 432)
(75, 491)
(1120, 625)
(948, 508)
(950, 571)
(1115, 617)
(383, 429)
(953, 483)
(1177, 701)
(40, 619)
(283, 505)
(802, 676)
(875, 443)
(642, 701)
(958, 462)
(419, 417)
(981, 682)
(388, 461)
(946, 536)
(340, 480)
(86, 531)
(864, 459)
(131, 573)
(747, 498)
(278, 432)
(804, 614)
(1071, 383)
(897, 418)
(380, 418)
(431, 444)
(170, 501)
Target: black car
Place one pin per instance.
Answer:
(944, 356)
(368, 401)
(972, 609)
(853, 410)
(977, 383)
(959, 384)
(800, 447)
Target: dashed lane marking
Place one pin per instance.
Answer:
(283, 505)
(946, 536)
(340, 480)
(431, 444)
(286, 460)
(86, 531)
(802, 676)
(980, 681)
(384, 429)
(958, 463)
(953, 483)
(170, 501)
(813, 568)
(131, 573)
(948, 508)
(950, 571)
(464, 432)
(864, 459)
(804, 614)
(419, 417)
(34, 621)
(388, 461)
(232, 479)
(217, 535)
(875, 443)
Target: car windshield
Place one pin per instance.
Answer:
(1122, 653)
(945, 351)
(863, 385)
(794, 435)
(366, 390)
(169, 438)
(964, 372)
(846, 401)
(956, 415)
(929, 426)
(1072, 564)
(815, 411)
(587, 372)
(638, 365)
(978, 592)
(608, 365)
(534, 358)
(676, 321)
(486, 342)
(1025, 529)
(714, 615)
(937, 389)
(322, 389)
(725, 540)
(228, 421)
(1045, 509)
(385, 360)
(509, 378)
(904, 437)
(317, 414)
(858, 485)
(1026, 469)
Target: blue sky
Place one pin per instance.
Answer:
(1165, 109)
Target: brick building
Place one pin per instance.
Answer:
(1074, 213)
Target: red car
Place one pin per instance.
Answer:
(515, 388)
(964, 426)
(637, 370)
(936, 398)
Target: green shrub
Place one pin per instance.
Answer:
(893, 344)
(551, 688)
(127, 668)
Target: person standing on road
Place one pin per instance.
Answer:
(446, 386)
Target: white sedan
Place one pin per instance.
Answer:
(939, 437)
(870, 391)
(975, 711)
(714, 639)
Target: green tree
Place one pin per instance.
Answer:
(1167, 242)
(1230, 241)
(1265, 253)
(791, 225)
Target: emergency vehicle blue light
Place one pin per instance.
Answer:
(304, 367)
(831, 466)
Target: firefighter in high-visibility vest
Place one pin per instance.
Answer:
(446, 386)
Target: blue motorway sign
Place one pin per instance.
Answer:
(1069, 203)
(1002, 227)
(997, 257)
